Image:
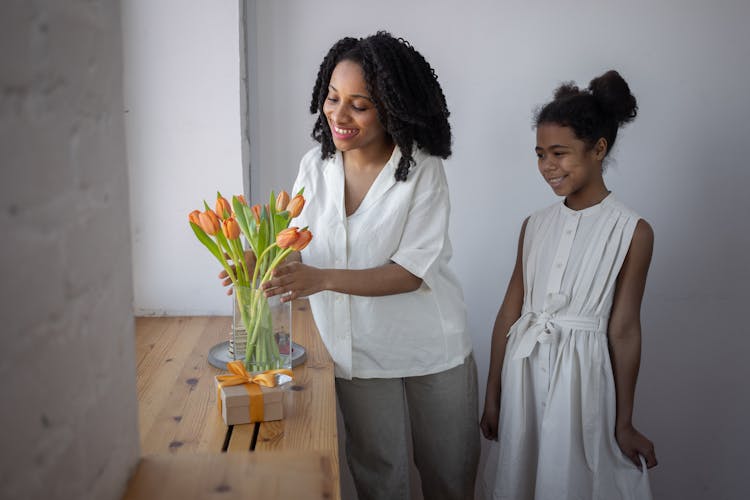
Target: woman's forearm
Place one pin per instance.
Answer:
(389, 279)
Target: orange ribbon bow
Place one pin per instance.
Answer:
(240, 376)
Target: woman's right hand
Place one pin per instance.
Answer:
(249, 261)
(490, 417)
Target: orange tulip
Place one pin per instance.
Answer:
(194, 217)
(242, 199)
(295, 206)
(287, 237)
(302, 241)
(282, 200)
(223, 208)
(209, 222)
(230, 228)
(256, 213)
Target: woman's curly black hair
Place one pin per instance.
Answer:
(404, 87)
(596, 112)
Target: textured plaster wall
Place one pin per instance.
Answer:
(69, 412)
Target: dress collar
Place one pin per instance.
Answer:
(593, 209)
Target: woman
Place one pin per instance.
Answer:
(388, 308)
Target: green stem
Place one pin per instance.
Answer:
(258, 263)
(275, 263)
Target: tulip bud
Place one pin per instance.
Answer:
(302, 241)
(282, 200)
(295, 206)
(256, 213)
(223, 208)
(287, 237)
(242, 199)
(230, 228)
(194, 217)
(209, 222)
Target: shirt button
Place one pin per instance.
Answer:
(569, 231)
(558, 265)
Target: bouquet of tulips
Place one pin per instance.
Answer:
(267, 232)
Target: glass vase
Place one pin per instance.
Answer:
(261, 330)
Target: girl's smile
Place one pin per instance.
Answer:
(571, 167)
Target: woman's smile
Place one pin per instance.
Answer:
(342, 132)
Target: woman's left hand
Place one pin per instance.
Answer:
(633, 443)
(293, 280)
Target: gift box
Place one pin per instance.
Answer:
(236, 403)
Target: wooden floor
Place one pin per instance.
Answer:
(178, 412)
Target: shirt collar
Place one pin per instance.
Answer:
(334, 175)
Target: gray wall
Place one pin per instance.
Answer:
(67, 363)
(682, 164)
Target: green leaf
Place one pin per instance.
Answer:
(239, 215)
(207, 241)
(302, 190)
(281, 221)
(272, 215)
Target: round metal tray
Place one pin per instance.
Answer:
(218, 355)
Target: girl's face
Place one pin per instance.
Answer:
(350, 111)
(565, 162)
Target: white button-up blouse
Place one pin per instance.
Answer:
(408, 334)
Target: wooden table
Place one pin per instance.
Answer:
(177, 402)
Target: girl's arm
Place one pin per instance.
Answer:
(509, 312)
(301, 280)
(625, 342)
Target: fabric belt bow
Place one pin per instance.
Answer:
(545, 327)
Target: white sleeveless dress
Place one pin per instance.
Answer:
(557, 415)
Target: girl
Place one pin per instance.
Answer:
(388, 308)
(566, 341)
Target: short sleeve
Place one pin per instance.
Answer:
(425, 234)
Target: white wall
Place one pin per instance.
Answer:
(67, 355)
(184, 140)
(681, 164)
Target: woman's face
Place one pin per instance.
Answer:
(566, 162)
(350, 111)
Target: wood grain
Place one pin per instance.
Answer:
(177, 397)
(230, 476)
(310, 403)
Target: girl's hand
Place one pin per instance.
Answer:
(633, 444)
(249, 261)
(490, 418)
(294, 280)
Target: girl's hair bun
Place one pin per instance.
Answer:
(613, 95)
(567, 89)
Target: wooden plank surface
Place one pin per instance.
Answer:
(177, 398)
(310, 403)
(234, 476)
